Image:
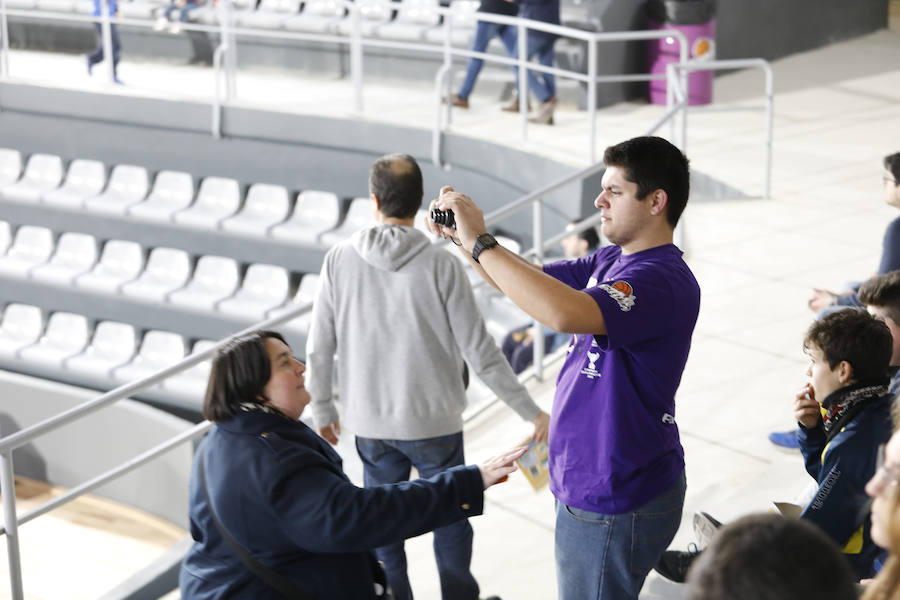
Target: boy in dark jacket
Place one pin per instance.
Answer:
(843, 414)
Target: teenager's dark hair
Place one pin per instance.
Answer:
(240, 370)
(590, 236)
(853, 335)
(653, 163)
(892, 164)
(395, 179)
(883, 291)
(771, 557)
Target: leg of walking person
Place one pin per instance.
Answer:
(453, 543)
(483, 34)
(117, 50)
(96, 55)
(383, 464)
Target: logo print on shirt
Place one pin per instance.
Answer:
(591, 370)
(620, 291)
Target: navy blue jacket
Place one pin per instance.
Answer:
(281, 492)
(842, 467)
(540, 10)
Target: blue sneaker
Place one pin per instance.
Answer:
(785, 439)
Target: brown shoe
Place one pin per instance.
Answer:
(544, 113)
(513, 106)
(458, 102)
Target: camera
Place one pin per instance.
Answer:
(443, 217)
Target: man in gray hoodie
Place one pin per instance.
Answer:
(400, 315)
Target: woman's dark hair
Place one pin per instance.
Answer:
(240, 370)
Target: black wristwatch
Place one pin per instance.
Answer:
(485, 241)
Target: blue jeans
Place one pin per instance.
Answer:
(484, 33)
(608, 556)
(542, 85)
(389, 461)
(183, 11)
(97, 54)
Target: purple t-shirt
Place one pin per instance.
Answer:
(614, 443)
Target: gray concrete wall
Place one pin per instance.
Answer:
(83, 450)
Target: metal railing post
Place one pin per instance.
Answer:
(356, 57)
(106, 35)
(522, 49)
(4, 41)
(230, 54)
(537, 212)
(217, 99)
(8, 489)
(592, 97)
(770, 101)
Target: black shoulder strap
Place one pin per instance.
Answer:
(279, 583)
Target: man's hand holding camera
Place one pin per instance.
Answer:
(469, 218)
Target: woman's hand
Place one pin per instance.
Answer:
(541, 427)
(497, 469)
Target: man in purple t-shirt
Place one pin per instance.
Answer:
(616, 462)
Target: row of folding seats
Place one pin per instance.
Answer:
(266, 211)
(215, 284)
(109, 354)
(406, 20)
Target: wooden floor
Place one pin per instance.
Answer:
(84, 548)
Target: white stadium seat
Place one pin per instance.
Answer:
(120, 262)
(159, 349)
(314, 213)
(463, 21)
(191, 384)
(5, 237)
(414, 19)
(218, 199)
(172, 191)
(76, 253)
(215, 278)
(127, 186)
(271, 14)
(84, 180)
(264, 288)
(306, 292)
(21, 326)
(112, 346)
(167, 270)
(360, 214)
(318, 16)
(10, 166)
(372, 15)
(66, 336)
(42, 173)
(266, 206)
(31, 247)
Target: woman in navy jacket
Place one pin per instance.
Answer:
(281, 493)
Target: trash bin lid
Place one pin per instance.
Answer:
(681, 12)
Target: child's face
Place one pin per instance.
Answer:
(822, 377)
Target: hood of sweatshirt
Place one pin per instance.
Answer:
(389, 247)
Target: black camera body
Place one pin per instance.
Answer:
(443, 217)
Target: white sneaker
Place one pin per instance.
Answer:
(160, 24)
(175, 28)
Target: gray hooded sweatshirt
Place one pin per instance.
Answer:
(400, 314)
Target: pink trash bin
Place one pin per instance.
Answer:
(701, 36)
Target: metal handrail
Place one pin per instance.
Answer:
(358, 43)
(9, 443)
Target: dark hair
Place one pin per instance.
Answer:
(853, 335)
(883, 291)
(396, 180)
(892, 164)
(590, 236)
(653, 163)
(771, 557)
(240, 370)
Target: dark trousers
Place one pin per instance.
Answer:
(97, 54)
